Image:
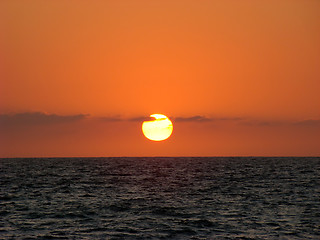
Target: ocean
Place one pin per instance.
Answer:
(160, 198)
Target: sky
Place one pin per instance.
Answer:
(237, 78)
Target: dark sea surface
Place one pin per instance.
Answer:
(160, 198)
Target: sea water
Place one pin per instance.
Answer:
(160, 198)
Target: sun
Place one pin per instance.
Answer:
(158, 129)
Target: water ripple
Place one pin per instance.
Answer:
(160, 198)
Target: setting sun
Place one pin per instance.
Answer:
(158, 129)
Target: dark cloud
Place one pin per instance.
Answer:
(40, 118)
(261, 123)
(248, 122)
(110, 119)
(140, 119)
(229, 119)
(275, 123)
(177, 119)
(197, 118)
(36, 118)
(118, 119)
(310, 122)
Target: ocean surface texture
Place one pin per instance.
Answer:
(160, 198)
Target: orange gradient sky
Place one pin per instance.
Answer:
(236, 77)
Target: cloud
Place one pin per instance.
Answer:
(38, 118)
(41, 118)
(196, 118)
(140, 119)
(309, 122)
(110, 119)
(275, 123)
(262, 123)
(199, 118)
(249, 122)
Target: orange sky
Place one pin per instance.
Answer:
(76, 77)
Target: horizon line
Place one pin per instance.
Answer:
(216, 156)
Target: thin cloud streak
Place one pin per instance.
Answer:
(110, 119)
(38, 118)
(199, 118)
(41, 118)
(309, 122)
(275, 123)
(140, 119)
(196, 118)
